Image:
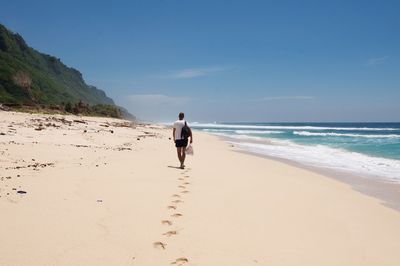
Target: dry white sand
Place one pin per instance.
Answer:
(102, 198)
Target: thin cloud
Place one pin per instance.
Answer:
(156, 99)
(155, 107)
(377, 60)
(272, 98)
(194, 72)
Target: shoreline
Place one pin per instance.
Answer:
(100, 191)
(388, 192)
(383, 190)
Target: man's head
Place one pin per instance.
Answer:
(181, 115)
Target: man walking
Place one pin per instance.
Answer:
(181, 134)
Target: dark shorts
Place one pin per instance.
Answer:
(181, 143)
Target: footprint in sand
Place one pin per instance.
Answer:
(182, 187)
(185, 191)
(177, 201)
(176, 196)
(186, 183)
(166, 222)
(180, 261)
(170, 233)
(159, 244)
(171, 207)
(181, 178)
(176, 215)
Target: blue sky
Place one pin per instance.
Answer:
(227, 60)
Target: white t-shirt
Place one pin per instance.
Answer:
(178, 125)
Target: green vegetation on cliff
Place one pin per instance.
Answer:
(31, 78)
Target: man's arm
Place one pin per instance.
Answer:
(191, 136)
(173, 134)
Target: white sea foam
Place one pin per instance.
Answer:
(241, 137)
(218, 130)
(326, 157)
(227, 126)
(333, 134)
(244, 131)
(258, 132)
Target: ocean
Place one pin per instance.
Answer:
(370, 150)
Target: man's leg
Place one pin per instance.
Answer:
(179, 151)
(183, 156)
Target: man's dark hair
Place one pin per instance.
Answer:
(181, 115)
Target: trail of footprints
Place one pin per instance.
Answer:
(174, 215)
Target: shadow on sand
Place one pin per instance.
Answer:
(176, 167)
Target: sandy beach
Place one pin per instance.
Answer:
(100, 191)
